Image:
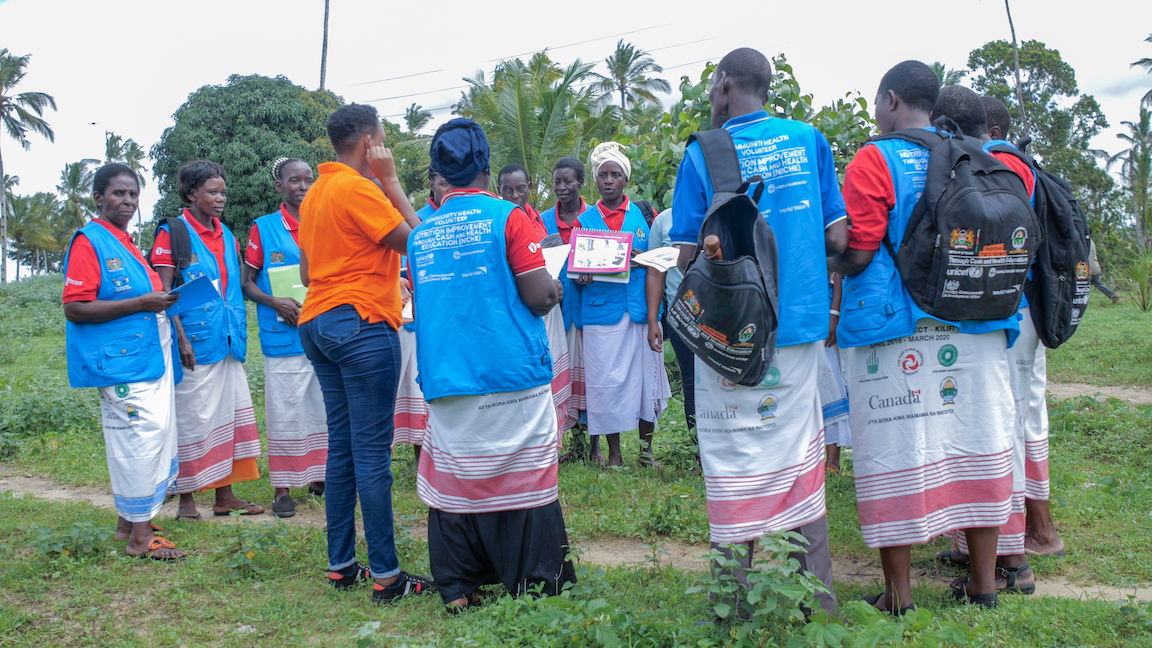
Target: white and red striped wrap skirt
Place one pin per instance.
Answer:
(297, 422)
(762, 448)
(411, 415)
(561, 369)
(215, 423)
(933, 419)
(492, 452)
(578, 400)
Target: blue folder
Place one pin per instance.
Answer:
(195, 293)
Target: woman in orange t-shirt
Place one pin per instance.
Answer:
(351, 240)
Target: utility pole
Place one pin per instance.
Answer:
(1015, 62)
(324, 50)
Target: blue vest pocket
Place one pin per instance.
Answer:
(120, 355)
(866, 306)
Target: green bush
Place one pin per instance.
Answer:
(34, 407)
(79, 540)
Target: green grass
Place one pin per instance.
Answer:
(1101, 462)
(1112, 346)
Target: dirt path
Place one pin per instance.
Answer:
(1133, 394)
(601, 551)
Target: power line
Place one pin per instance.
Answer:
(590, 40)
(406, 76)
(424, 109)
(681, 44)
(417, 94)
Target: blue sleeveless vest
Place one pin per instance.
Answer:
(602, 303)
(784, 153)
(570, 304)
(875, 306)
(124, 350)
(278, 339)
(473, 334)
(218, 328)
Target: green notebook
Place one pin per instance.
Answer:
(286, 282)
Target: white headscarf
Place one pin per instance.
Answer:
(610, 152)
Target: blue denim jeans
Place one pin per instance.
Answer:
(357, 365)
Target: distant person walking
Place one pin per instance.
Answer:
(1096, 271)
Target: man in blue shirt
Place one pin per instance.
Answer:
(762, 447)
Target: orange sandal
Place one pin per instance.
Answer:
(156, 544)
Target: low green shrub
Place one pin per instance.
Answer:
(34, 407)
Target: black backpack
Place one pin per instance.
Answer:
(646, 211)
(972, 235)
(181, 243)
(726, 310)
(1058, 291)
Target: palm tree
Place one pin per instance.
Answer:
(535, 113)
(20, 114)
(628, 68)
(416, 119)
(76, 189)
(1136, 171)
(948, 77)
(30, 227)
(1145, 63)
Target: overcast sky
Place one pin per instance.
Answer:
(126, 66)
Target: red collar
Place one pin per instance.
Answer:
(466, 192)
(289, 222)
(605, 212)
(214, 232)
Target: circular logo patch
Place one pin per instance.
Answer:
(772, 378)
(910, 361)
(947, 355)
(121, 390)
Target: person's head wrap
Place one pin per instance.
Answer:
(460, 151)
(610, 152)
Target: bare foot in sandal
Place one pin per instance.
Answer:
(155, 548)
(226, 502)
(187, 510)
(124, 529)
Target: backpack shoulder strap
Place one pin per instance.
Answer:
(181, 243)
(720, 156)
(924, 138)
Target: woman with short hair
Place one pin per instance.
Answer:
(219, 441)
(119, 340)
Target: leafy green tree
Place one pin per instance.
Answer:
(75, 190)
(629, 68)
(948, 77)
(244, 125)
(1136, 171)
(1061, 121)
(1146, 63)
(20, 113)
(416, 119)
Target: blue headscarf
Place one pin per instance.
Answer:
(460, 151)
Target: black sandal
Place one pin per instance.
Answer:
(872, 598)
(960, 592)
(1010, 575)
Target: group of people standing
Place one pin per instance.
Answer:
(497, 359)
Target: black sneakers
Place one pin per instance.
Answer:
(406, 585)
(348, 577)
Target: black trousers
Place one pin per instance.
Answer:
(522, 549)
